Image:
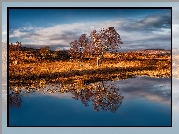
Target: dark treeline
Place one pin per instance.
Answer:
(19, 54)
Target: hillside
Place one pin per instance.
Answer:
(154, 51)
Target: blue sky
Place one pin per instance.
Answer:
(139, 28)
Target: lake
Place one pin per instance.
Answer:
(139, 101)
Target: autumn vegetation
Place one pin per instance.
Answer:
(91, 60)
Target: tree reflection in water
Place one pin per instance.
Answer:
(103, 96)
(15, 99)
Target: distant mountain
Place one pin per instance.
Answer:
(154, 51)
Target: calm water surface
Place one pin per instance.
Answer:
(140, 101)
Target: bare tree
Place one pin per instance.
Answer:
(101, 42)
(79, 47)
(15, 99)
(83, 42)
(104, 41)
(74, 49)
(19, 45)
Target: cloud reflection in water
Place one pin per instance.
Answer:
(151, 89)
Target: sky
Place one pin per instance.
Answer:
(138, 28)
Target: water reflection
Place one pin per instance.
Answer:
(156, 90)
(102, 95)
(81, 103)
(15, 99)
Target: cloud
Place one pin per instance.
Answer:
(139, 40)
(152, 89)
(18, 33)
(54, 35)
(150, 23)
(137, 32)
(58, 34)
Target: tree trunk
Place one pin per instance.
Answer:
(79, 63)
(97, 61)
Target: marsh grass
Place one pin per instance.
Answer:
(110, 68)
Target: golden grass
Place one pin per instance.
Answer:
(87, 70)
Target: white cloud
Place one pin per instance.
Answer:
(59, 34)
(66, 33)
(18, 33)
